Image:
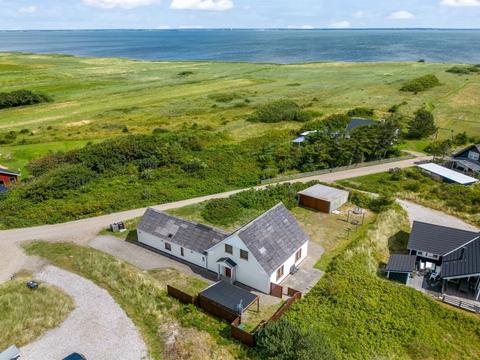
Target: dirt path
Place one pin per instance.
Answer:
(81, 231)
(98, 328)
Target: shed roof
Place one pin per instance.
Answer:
(475, 146)
(469, 164)
(188, 234)
(323, 192)
(436, 239)
(463, 261)
(8, 172)
(401, 263)
(273, 237)
(448, 174)
(229, 296)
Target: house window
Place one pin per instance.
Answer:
(243, 254)
(280, 273)
(182, 252)
(12, 179)
(472, 155)
(228, 249)
(298, 255)
(168, 246)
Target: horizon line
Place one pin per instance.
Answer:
(245, 28)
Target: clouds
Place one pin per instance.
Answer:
(125, 4)
(28, 9)
(401, 15)
(460, 3)
(207, 5)
(344, 24)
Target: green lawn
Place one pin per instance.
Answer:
(25, 314)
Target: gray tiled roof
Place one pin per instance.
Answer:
(188, 234)
(229, 296)
(273, 237)
(463, 261)
(401, 263)
(437, 239)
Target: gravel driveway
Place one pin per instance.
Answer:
(421, 213)
(98, 328)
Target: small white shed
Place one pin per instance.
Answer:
(323, 198)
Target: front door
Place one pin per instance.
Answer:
(228, 273)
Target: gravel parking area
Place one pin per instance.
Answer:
(98, 328)
(421, 213)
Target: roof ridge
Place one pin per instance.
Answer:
(476, 232)
(187, 220)
(251, 222)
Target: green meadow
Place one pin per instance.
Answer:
(102, 98)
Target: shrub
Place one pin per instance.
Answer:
(459, 70)
(361, 112)
(422, 126)
(421, 84)
(283, 340)
(22, 98)
(224, 98)
(282, 110)
(222, 211)
(185, 73)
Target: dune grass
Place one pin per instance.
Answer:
(25, 314)
(364, 316)
(170, 330)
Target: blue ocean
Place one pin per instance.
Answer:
(276, 46)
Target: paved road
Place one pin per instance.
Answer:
(98, 328)
(81, 231)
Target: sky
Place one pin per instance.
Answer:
(173, 14)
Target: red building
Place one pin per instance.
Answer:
(8, 177)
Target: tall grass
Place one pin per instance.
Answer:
(26, 314)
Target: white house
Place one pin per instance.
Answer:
(262, 253)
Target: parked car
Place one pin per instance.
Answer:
(75, 356)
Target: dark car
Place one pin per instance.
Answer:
(75, 356)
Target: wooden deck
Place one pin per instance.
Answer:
(469, 305)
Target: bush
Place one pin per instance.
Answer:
(222, 211)
(21, 98)
(422, 126)
(283, 340)
(282, 110)
(463, 70)
(421, 84)
(185, 73)
(361, 112)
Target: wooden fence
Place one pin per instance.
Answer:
(247, 338)
(181, 296)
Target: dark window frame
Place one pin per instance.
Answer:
(298, 255)
(280, 272)
(244, 255)
(168, 246)
(229, 249)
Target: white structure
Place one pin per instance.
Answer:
(323, 198)
(262, 253)
(442, 173)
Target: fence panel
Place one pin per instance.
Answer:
(180, 295)
(215, 309)
(241, 335)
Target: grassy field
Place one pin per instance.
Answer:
(27, 314)
(363, 316)
(101, 98)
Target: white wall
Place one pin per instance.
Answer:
(157, 243)
(338, 202)
(247, 272)
(288, 264)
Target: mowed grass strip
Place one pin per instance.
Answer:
(26, 314)
(170, 330)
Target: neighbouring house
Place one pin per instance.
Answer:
(323, 198)
(260, 255)
(8, 177)
(452, 254)
(442, 173)
(468, 160)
